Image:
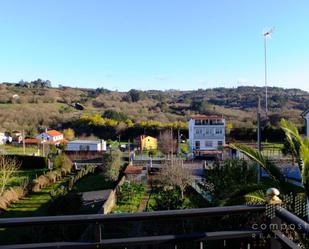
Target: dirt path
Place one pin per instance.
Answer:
(144, 201)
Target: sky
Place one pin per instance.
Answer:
(154, 44)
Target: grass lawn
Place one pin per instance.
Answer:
(18, 150)
(35, 204)
(92, 182)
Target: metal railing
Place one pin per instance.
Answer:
(199, 238)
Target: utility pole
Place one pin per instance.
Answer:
(178, 142)
(24, 143)
(259, 137)
(172, 145)
(259, 125)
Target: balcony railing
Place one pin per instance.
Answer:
(197, 238)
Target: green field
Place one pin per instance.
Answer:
(18, 150)
(35, 204)
(92, 182)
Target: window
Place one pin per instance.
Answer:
(197, 145)
(84, 147)
(208, 143)
(198, 122)
(220, 143)
(198, 131)
(218, 131)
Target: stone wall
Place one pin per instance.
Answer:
(112, 198)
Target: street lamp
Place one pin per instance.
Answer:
(266, 35)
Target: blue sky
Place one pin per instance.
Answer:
(154, 44)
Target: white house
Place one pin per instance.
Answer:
(51, 136)
(86, 145)
(206, 134)
(2, 138)
(5, 138)
(305, 115)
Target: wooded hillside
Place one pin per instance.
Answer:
(34, 106)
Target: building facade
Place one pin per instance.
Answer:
(51, 136)
(206, 134)
(147, 143)
(86, 145)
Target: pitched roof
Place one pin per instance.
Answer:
(39, 141)
(53, 133)
(32, 141)
(85, 142)
(133, 170)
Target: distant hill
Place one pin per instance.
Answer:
(35, 105)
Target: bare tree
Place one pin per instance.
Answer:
(173, 174)
(8, 166)
(167, 144)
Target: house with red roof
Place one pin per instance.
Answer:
(51, 137)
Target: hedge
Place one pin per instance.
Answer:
(30, 162)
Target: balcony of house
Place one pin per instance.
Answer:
(208, 122)
(209, 133)
(208, 136)
(215, 227)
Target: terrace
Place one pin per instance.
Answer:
(217, 227)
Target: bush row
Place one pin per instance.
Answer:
(49, 178)
(63, 190)
(12, 195)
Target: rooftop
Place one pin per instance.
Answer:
(96, 195)
(131, 169)
(53, 133)
(85, 142)
(205, 117)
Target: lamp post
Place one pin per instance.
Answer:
(266, 35)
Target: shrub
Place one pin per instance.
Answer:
(111, 165)
(52, 176)
(64, 163)
(11, 195)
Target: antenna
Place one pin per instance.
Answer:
(266, 35)
(269, 32)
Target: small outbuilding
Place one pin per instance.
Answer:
(135, 173)
(147, 143)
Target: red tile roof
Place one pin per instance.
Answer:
(32, 141)
(54, 133)
(39, 141)
(133, 170)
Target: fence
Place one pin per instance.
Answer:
(196, 239)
